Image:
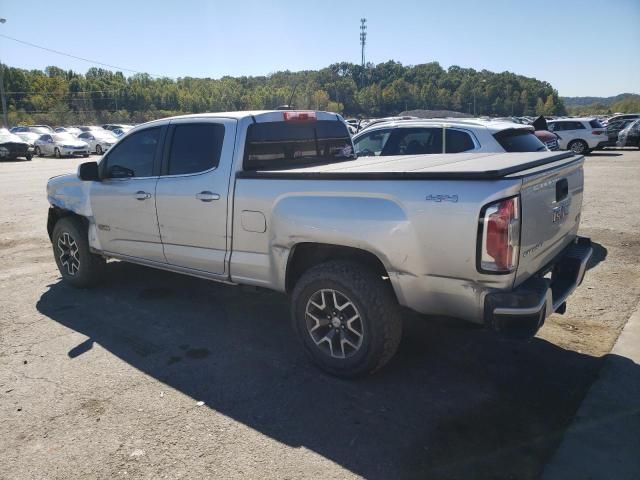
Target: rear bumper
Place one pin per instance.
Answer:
(521, 312)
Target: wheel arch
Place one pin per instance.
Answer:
(57, 213)
(306, 255)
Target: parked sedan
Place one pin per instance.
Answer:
(118, 132)
(29, 133)
(613, 129)
(12, 146)
(72, 130)
(99, 141)
(60, 145)
(630, 136)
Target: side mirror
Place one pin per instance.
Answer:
(88, 172)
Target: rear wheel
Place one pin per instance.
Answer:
(37, 151)
(347, 318)
(77, 265)
(579, 146)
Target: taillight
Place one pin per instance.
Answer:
(300, 116)
(499, 238)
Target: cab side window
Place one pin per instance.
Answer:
(133, 157)
(195, 147)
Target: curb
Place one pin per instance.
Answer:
(603, 441)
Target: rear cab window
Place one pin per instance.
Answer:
(291, 144)
(595, 124)
(516, 140)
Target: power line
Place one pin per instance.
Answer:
(75, 56)
(69, 93)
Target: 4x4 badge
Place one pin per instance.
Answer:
(442, 198)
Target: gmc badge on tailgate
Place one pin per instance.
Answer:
(559, 212)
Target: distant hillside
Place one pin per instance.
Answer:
(582, 101)
(62, 97)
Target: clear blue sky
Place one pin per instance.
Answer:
(581, 47)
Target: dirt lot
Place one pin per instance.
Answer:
(106, 383)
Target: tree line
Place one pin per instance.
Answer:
(623, 103)
(58, 97)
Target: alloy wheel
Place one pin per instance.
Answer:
(334, 323)
(68, 253)
(577, 147)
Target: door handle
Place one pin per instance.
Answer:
(140, 195)
(207, 196)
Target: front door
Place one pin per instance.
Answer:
(124, 201)
(192, 191)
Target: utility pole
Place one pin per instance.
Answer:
(363, 38)
(5, 120)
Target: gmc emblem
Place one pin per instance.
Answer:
(559, 212)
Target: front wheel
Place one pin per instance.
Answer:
(28, 156)
(37, 151)
(347, 318)
(77, 265)
(57, 153)
(98, 150)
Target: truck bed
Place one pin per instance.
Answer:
(459, 166)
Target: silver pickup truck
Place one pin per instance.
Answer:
(278, 200)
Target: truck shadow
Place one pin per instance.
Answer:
(456, 402)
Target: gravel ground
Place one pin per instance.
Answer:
(155, 375)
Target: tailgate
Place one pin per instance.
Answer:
(551, 202)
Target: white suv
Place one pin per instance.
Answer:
(420, 137)
(580, 135)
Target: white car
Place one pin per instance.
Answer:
(118, 132)
(421, 137)
(29, 134)
(60, 145)
(72, 130)
(99, 140)
(580, 135)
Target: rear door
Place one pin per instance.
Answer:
(192, 193)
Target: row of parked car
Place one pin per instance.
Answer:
(29, 140)
(375, 137)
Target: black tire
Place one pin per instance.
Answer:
(578, 146)
(98, 150)
(85, 155)
(38, 152)
(77, 265)
(29, 157)
(379, 321)
(57, 153)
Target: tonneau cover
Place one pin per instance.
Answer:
(464, 166)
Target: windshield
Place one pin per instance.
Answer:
(277, 145)
(40, 130)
